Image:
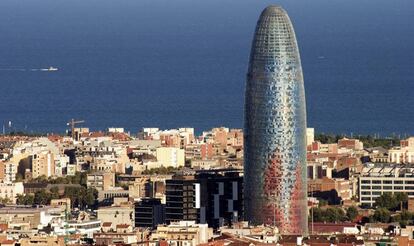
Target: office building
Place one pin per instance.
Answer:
(149, 212)
(275, 128)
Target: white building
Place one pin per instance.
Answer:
(404, 153)
(11, 190)
(376, 179)
(171, 157)
(10, 171)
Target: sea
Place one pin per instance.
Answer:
(183, 63)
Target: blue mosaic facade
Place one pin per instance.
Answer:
(275, 128)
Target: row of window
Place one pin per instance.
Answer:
(387, 181)
(390, 187)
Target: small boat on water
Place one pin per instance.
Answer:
(50, 69)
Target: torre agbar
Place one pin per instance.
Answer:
(275, 128)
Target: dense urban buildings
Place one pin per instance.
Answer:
(274, 183)
(113, 188)
(275, 127)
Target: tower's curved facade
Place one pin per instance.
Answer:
(275, 128)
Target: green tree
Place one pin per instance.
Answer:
(402, 199)
(5, 200)
(322, 202)
(73, 194)
(331, 214)
(42, 198)
(25, 199)
(81, 197)
(41, 179)
(54, 193)
(335, 215)
(382, 215)
(386, 200)
(352, 213)
(90, 197)
(318, 214)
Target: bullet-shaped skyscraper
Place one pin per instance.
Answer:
(275, 128)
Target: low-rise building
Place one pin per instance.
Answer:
(29, 216)
(44, 240)
(9, 191)
(183, 233)
(101, 180)
(117, 215)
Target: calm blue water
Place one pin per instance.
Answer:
(163, 63)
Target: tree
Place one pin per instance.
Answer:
(334, 214)
(392, 202)
(322, 202)
(54, 192)
(5, 200)
(352, 213)
(42, 198)
(401, 198)
(318, 215)
(331, 214)
(90, 197)
(41, 179)
(25, 199)
(81, 197)
(386, 200)
(382, 215)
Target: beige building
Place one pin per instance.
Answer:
(8, 171)
(42, 241)
(183, 233)
(101, 180)
(11, 190)
(171, 157)
(137, 189)
(43, 164)
(28, 217)
(117, 215)
(63, 203)
(404, 153)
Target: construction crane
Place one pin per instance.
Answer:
(72, 123)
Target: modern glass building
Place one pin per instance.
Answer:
(275, 128)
